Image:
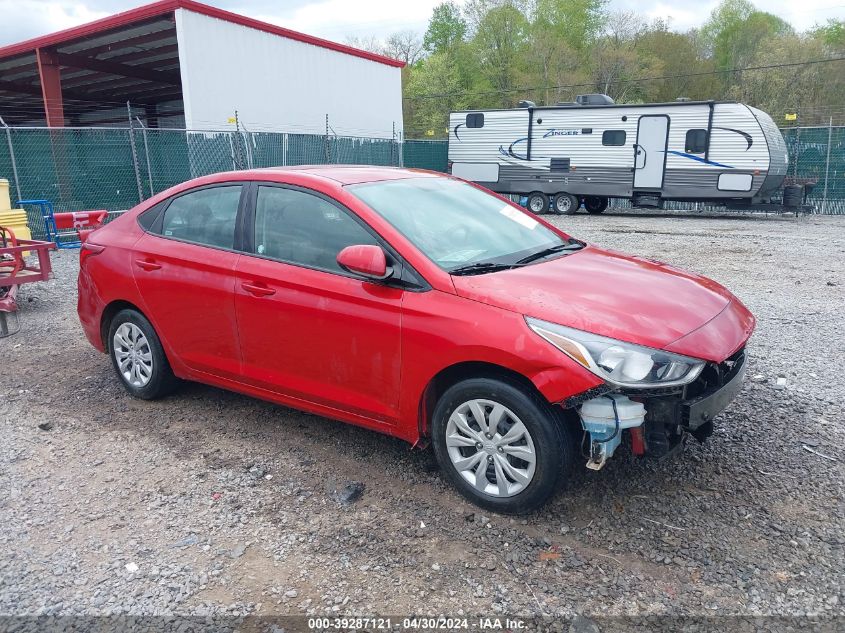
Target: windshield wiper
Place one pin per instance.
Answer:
(489, 267)
(479, 267)
(560, 248)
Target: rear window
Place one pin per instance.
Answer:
(613, 137)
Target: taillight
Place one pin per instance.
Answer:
(87, 250)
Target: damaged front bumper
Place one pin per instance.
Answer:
(669, 413)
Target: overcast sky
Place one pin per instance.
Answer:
(337, 19)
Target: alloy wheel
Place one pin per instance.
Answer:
(132, 352)
(563, 204)
(491, 448)
(536, 205)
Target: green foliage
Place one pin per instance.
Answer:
(735, 31)
(494, 53)
(446, 28)
(832, 34)
(499, 42)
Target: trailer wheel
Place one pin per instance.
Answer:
(595, 204)
(566, 204)
(538, 203)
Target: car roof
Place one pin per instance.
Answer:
(349, 174)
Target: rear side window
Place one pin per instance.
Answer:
(300, 228)
(476, 119)
(613, 137)
(148, 218)
(206, 216)
(696, 142)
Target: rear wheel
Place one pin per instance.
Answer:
(138, 357)
(595, 204)
(538, 203)
(566, 204)
(501, 445)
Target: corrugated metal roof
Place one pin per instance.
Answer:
(102, 27)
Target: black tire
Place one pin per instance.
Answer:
(595, 204)
(566, 204)
(537, 203)
(161, 380)
(554, 447)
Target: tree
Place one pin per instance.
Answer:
(576, 22)
(446, 28)
(499, 42)
(675, 55)
(405, 46)
(434, 89)
(790, 89)
(736, 29)
(560, 33)
(483, 53)
(615, 60)
(832, 35)
(365, 43)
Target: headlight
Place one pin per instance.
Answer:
(617, 362)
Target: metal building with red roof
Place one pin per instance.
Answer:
(180, 63)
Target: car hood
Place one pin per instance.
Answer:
(624, 297)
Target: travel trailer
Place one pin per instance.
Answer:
(592, 150)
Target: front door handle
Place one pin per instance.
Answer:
(147, 264)
(257, 290)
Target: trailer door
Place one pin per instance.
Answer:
(650, 151)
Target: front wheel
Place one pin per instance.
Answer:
(138, 357)
(595, 204)
(566, 204)
(501, 445)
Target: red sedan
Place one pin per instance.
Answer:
(417, 305)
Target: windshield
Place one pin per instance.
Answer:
(457, 225)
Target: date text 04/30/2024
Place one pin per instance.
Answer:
(416, 623)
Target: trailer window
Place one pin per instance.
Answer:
(696, 142)
(476, 119)
(613, 137)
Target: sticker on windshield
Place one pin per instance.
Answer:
(519, 217)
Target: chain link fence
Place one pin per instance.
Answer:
(115, 168)
(817, 157)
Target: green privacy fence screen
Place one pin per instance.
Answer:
(115, 168)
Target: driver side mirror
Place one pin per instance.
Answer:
(365, 259)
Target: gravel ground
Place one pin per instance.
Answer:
(210, 503)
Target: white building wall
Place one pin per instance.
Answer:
(279, 84)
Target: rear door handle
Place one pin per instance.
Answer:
(147, 265)
(257, 290)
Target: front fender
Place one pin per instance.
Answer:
(441, 330)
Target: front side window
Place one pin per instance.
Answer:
(696, 142)
(301, 228)
(457, 225)
(206, 216)
(613, 137)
